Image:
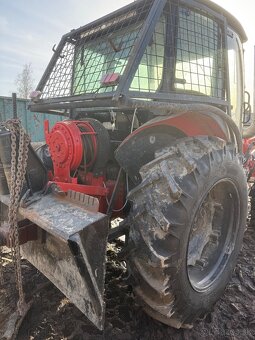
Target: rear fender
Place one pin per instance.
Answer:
(140, 146)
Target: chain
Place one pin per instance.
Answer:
(1, 256)
(19, 155)
(1, 268)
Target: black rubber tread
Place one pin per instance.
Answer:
(163, 207)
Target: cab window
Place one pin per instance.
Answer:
(235, 77)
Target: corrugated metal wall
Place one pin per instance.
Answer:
(31, 121)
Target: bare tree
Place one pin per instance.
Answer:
(25, 81)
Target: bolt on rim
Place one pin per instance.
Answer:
(213, 235)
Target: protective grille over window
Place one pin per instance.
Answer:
(149, 75)
(91, 55)
(199, 55)
(105, 56)
(185, 55)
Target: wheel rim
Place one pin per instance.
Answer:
(213, 235)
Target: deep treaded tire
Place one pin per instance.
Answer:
(195, 183)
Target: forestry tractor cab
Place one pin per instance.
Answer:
(157, 134)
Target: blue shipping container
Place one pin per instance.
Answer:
(33, 122)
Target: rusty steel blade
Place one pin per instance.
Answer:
(70, 250)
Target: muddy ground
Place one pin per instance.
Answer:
(52, 316)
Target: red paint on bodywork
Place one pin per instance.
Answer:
(191, 124)
(100, 189)
(67, 148)
(197, 125)
(249, 152)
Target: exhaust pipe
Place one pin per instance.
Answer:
(249, 132)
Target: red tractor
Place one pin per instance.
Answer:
(153, 96)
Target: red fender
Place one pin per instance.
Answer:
(138, 149)
(191, 124)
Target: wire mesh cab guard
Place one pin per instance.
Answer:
(155, 50)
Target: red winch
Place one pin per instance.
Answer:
(70, 143)
(79, 151)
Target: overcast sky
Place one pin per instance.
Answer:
(29, 29)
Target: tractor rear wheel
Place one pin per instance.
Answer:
(186, 228)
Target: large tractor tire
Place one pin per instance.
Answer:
(186, 228)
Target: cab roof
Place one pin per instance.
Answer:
(231, 20)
